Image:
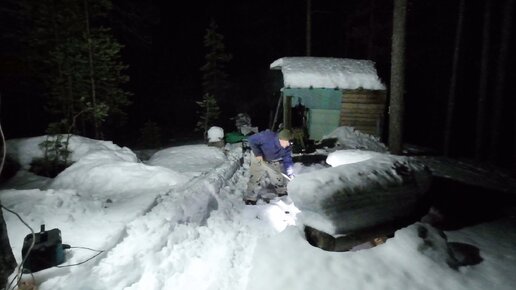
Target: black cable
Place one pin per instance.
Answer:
(20, 272)
(91, 258)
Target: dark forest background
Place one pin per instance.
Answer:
(163, 47)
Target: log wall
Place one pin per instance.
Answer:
(364, 110)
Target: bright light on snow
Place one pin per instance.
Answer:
(347, 157)
(177, 221)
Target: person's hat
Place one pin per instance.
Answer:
(285, 134)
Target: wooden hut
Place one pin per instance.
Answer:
(336, 92)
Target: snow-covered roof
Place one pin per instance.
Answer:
(327, 72)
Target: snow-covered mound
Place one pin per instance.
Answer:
(371, 190)
(189, 159)
(349, 138)
(24, 150)
(107, 172)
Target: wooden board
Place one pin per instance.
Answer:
(375, 111)
(379, 107)
(363, 96)
(352, 123)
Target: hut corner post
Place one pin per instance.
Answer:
(287, 112)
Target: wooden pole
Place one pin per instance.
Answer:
(308, 27)
(287, 112)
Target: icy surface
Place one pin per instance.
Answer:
(325, 72)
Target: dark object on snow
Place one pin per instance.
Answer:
(309, 159)
(327, 143)
(345, 243)
(47, 252)
(463, 255)
(10, 169)
(319, 239)
(435, 245)
(249, 202)
(218, 144)
(47, 168)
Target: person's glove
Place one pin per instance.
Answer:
(290, 172)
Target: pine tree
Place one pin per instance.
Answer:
(78, 60)
(214, 78)
(210, 112)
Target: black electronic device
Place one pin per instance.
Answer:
(47, 251)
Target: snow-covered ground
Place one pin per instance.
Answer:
(177, 221)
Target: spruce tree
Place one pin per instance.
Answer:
(214, 78)
(78, 60)
(209, 112)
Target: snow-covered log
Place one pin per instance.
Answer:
(364, 189)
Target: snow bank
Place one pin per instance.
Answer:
(107, 173)
(349, 138)
(190, 160)
(370, 190)
(24, 150)
(325, 72)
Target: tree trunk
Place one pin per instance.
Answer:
(308, 27)
(92, 71)
(370, 38)
(396, 105)
(501, 66)
(453, 82)
(57, 40)
(7, 261)
(482, 90)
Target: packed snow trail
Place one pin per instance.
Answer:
(185, 240)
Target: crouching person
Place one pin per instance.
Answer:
(271, 157)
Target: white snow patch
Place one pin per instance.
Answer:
(215, 134)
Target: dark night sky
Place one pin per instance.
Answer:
(166, 80)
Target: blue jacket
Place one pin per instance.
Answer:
(267, 145)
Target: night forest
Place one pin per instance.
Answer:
(459, 96)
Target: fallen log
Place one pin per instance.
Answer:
(371, 190)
